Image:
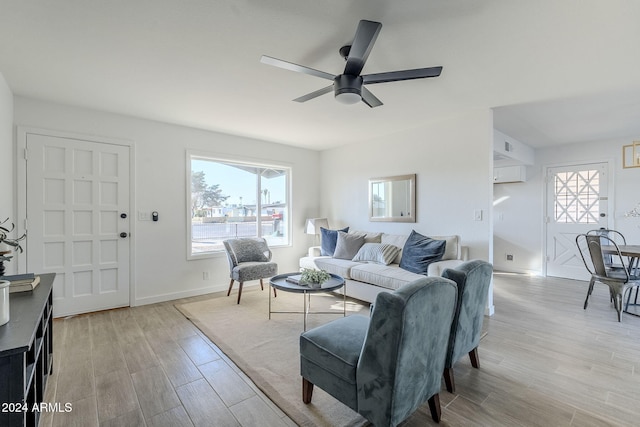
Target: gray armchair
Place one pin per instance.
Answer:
(473, 279)
(249, 259)
(387, 366)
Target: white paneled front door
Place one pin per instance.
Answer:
(576, 203)
(78, 220)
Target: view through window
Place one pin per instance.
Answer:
(577, 197)
(232, 199)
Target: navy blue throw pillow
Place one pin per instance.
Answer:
(419, 251)
(328, 240)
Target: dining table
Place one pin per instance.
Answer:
(632, 252)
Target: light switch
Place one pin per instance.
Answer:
(477, 215)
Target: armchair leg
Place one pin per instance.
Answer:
(230, 286)
(274, 293)
(307, 390)
(448, 380)
(475, 359)
(240, 291)
(434, 406)
(261, 285)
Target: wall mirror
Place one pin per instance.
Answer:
(393, 198)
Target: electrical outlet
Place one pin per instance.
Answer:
(205, 275)
(509, 257)
(144, 216)
(477, 215)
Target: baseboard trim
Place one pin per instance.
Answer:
(182, 294)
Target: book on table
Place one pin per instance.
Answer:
(19, 277)
(295, 279)
(24, 285)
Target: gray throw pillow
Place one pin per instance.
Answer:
(348, 245)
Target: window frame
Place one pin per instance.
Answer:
(241, 161)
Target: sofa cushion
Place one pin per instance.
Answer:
(370, 237)
(419, 251)
(328, 240)
(385, 276)
(452, 249)
(348, 245)
(379, 253)
(341, 267)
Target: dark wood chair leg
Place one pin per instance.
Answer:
(434, 406)
(230, 286)
(448, 380)
(307, 390)
(475, 359)
(240, 291)
(274, 293)
(261, 285)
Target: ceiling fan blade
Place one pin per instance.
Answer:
(315, 94)
(365, 37)
(295, 67)
(393, 76)
(369, 98)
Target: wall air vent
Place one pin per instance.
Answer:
(508, 147)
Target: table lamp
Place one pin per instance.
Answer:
(313, 226)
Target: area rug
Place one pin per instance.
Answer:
(268, 350)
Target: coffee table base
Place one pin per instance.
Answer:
(306, 297)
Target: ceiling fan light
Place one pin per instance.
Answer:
(347, 88)
(348, 98)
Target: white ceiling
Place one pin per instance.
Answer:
(555, 71)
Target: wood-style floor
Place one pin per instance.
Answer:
(545, 362)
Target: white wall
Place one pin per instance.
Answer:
(6, 150)
(519, 227)
(162, 271)
(453, 163)
(7, 208)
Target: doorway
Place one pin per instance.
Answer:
(576, 201)
(77, 202)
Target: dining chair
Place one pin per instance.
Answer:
(249, 259)
(614, 235)
(619, 280)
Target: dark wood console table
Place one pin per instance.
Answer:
(26, 354)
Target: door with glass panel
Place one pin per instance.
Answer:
(77, 209)
(577, 201)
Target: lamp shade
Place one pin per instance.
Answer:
(313, 225)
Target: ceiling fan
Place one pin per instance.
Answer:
(349, 86)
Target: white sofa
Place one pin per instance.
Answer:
(365, 280)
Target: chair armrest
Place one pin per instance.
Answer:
(314, 251)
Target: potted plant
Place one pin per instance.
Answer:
(314, 278)
(5, 240)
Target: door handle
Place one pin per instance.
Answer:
(123, 235)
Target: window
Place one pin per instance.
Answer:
(577, 197)
(236, 199)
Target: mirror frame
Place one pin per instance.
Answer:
(411, 178)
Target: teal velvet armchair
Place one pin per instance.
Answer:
(473, 279)
(386, 366)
